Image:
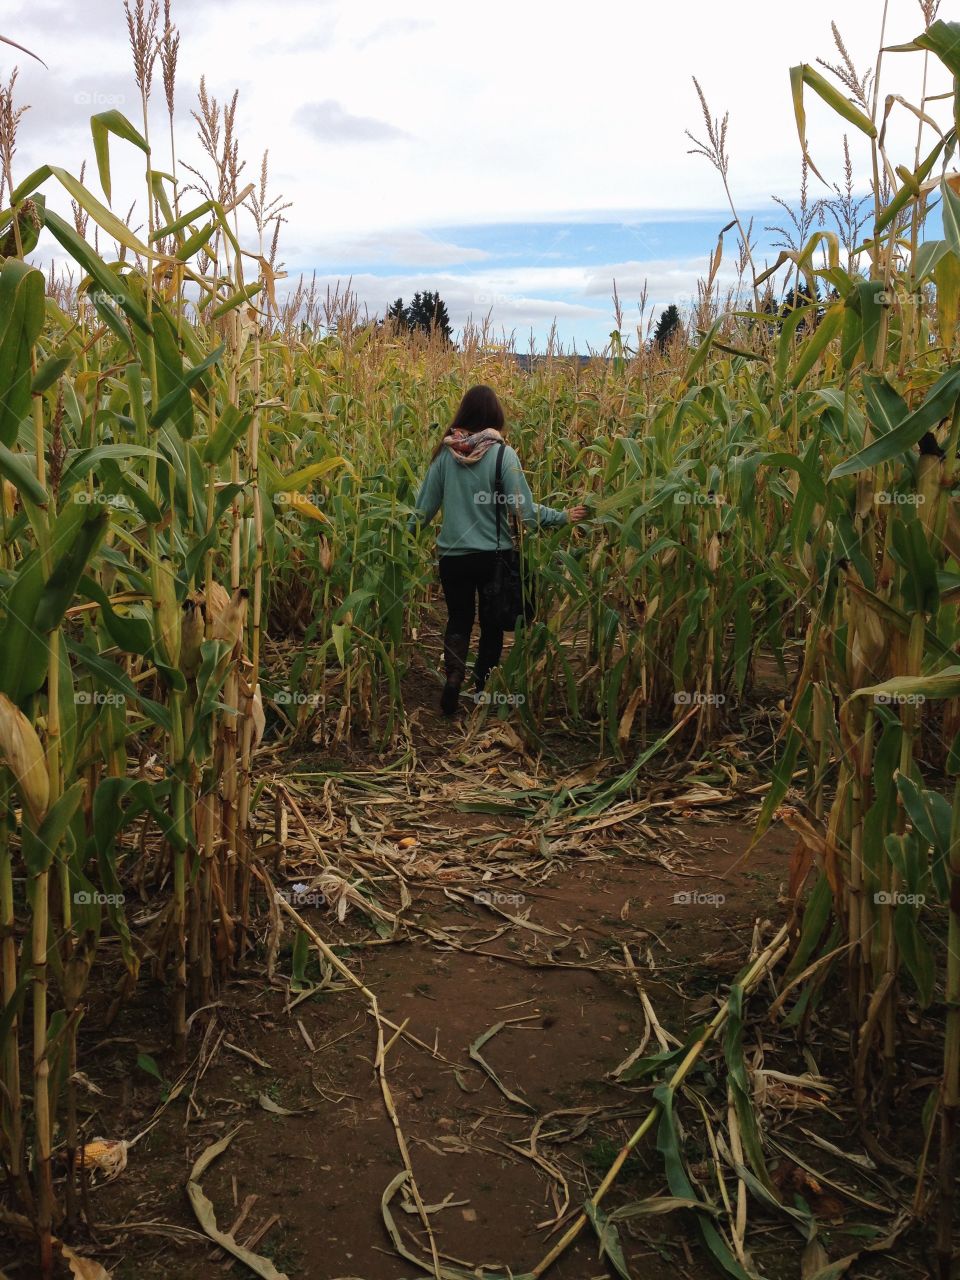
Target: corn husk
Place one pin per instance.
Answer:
(325, 555)
(713, 554)
(217, 603)
(23, 754)
(951, 534)
(167, 614)
(191, 635)
(258, 716)
(228, 624)
(929, 469)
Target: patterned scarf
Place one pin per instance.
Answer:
(468, 449)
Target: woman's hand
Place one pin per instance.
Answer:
(576, 514)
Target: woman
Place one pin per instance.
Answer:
(461, 479)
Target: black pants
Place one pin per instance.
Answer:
(462, 578)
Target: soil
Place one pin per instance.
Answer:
(682, 895)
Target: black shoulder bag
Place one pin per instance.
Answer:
(509, 593)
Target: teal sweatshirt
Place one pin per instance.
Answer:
(466, 493)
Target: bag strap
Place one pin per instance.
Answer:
(498, 488)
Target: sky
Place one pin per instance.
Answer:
(516, 156)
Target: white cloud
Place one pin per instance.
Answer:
(415, 248)
(508, 117)
(443, 118)
(329, 121)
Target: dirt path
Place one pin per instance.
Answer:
(519, 920)
(571, 1011)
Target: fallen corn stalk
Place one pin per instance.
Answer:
(761, 966)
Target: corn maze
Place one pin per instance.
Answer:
(204, 557)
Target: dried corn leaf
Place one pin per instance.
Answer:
(205, 1215)
(83, 1268)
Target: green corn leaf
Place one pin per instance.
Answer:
(229, 431)
(53, 367)
(942, 684)
(817, 343)
(909, 548)
(938, 404)
(14, 468)
(928, 255)
(915, 951)
(84, 461)
(40, 846)
(184, 221)
(871, 312)
(668, 1144)
(101, 126)
(96, 268)
(21, 320)
(886, 408)
(181, 392)
(699, 357)
(114, 678)
(806, 75)
(609, 1238)
(905, 194)
(816, 916)
(951, 216)
(102, 216)
(943, 39)
(78, 532)
(131, 634)
(236, 299)
(740, 1086)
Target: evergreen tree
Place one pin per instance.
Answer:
(428, 312)
(668, 326)
(398, 313)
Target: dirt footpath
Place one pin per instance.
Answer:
(502, 1150)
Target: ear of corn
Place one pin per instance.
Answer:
(22, 753)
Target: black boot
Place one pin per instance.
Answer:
(455, 660)
(489, 650)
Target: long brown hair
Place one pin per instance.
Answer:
(479, 409)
